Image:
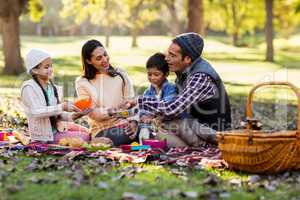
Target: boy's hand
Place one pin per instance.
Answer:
(78, 115)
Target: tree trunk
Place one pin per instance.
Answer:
(235, 34)
(235, 39)
(38, 29)
(196, 16)
(11, 44)
(107, 36)
(269, 30)
(175, 26)
(134, 34)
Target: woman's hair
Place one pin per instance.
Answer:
(158, 61)
(89, 70)
(53, 119)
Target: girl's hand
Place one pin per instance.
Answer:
(70, 107)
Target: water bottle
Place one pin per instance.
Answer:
(144, 132)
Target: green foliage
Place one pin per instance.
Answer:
(286, 17)
(234, 16)
(36, 10)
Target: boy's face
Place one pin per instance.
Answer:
(156, 77)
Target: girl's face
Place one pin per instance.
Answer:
(45, 70)
(156, 77)
(99, 59)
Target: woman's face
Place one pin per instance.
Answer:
(99, 59)
(45, 70)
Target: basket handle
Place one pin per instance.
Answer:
(249, 112)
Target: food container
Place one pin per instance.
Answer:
(156, 144)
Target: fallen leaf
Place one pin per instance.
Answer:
(253, 179)
(190, 194)
(172, 193)
(103, 185)
(132, 196)
(211, 180)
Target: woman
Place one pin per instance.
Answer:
(107, 87)
(42, 103)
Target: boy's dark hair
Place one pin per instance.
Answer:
(158, 61)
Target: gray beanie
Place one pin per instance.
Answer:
(192, 43)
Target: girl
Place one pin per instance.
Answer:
(107, 87)
(42, 102)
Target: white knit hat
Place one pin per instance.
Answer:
(35, 57)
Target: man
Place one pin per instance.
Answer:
(201, 94)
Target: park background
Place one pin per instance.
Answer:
(246, 41)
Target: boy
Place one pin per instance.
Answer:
(161, 88)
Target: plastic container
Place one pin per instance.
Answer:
(156, 144)
(128, 147)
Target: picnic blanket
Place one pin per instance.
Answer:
(208, 156)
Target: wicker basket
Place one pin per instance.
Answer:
(260, 151)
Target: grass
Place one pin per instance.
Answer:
(153, 182)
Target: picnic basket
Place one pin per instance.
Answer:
(258, 151)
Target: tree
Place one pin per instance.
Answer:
(10, 10)
(236, 17)
(269, 30)
(36, 12)
(196, 16)
(107, 13)
(285, 17)
(139, 14)
(174, 22)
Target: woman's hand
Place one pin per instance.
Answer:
(80, 114)
(70, 107)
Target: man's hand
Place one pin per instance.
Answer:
(131, 129)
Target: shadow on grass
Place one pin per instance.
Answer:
(68, 62)
(288, 60)
(57, 39)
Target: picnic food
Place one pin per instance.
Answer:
(84, 103)
(101, 141)
(72, 142)
(22, 138)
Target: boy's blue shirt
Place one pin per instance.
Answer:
(168, 92)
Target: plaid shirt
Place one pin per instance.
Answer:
(200, 87)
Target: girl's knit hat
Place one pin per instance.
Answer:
(35, 57)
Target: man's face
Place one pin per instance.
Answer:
(175, 60)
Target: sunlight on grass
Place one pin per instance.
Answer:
(236, 65)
